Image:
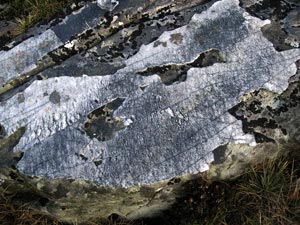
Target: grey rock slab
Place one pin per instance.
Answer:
(83, 19)
(24, 57)
(170, 130)
(109, 56)
(86, 18)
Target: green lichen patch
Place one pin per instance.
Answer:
(101, 124)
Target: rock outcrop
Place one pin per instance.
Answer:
(125, 112)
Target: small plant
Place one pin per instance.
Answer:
(24, 24)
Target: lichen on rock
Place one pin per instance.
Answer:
(206, 96)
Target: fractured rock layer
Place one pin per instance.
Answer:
(170, 130)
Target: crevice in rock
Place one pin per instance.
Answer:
(8, 158)
(260, 138)
(101, 124)
(175, 73)
(12, 140)
(2, 132)
(84, 158)
(219, 154)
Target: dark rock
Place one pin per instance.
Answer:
(54, 97)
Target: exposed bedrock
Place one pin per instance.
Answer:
(117, 124)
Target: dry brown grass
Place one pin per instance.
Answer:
(269, 193)
(11, 214)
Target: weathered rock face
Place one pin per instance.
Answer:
(202, 92)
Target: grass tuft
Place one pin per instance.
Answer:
(26, 13)
(269, 193)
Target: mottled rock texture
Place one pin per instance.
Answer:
(209, 90)
(23, 57)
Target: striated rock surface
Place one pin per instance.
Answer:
(168, 130)
(16, 61)
(208, 90)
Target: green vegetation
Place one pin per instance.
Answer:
(267, 194)
(28, 12)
